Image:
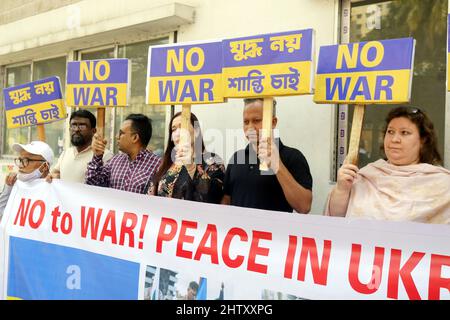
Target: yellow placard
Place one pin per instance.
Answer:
(97, 95)
(391, 86)
(36, 114)
(191, 89)
(268, 80)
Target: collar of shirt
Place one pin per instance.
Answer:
(141, 155)
(75, 150)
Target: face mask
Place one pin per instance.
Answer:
(36, 174)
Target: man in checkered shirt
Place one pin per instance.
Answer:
(133, 168)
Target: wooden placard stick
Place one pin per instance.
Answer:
(355, 135)
(266, 131)
(101, 122)
(41, 132)
(185, 138)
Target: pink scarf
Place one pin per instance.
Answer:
(419, 192)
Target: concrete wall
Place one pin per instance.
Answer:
(12, 10)
(302, 124)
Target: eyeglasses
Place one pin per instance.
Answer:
(75, 126)
(23, 162)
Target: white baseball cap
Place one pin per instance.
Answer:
(36, 147)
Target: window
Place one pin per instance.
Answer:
(138, 54)
(22, 74)
(426, 22)
(54, 132)
(106, 53)
(15, 76)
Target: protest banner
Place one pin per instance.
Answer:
(110, 244)
(268, 65)
(98, 84)
(185, 74)
(373, 72)
(34, 103)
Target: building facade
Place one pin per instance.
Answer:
(39, 37)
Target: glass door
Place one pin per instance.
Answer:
(426, 22)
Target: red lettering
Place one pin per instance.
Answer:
(319, 270)
(211, 232)
(436, 282)
(109, 227)
(184, 238)
(128, 230)
(353, 274)
(22, 212)
(66, 228)
(405, 274)
(142, 230)
(233, 263)
(87, 222)
(256, 250)
(41, 205)
(162, 236)
(55, 214)
(290, 257)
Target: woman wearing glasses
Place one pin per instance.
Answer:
(34, 162)
(408, 185)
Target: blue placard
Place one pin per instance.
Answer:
(185, 74)
(33, 103)
(365, 72)
(272, 64)
(98, 83)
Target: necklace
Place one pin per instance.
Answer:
(191, 170)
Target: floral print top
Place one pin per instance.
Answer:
(205, 186)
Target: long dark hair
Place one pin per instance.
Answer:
(429, 152)
(167, 159)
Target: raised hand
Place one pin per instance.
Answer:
(98, 145)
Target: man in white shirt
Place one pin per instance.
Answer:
(72, 163)
(34, 162)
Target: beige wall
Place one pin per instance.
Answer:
(12, 10)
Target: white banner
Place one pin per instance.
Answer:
(73, 241)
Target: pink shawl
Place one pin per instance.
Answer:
(419, 192)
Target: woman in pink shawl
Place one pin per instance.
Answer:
(409, 186)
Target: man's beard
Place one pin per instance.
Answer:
(78, 140)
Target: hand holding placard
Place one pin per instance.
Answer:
(374, 72)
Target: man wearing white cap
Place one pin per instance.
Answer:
(34, 162)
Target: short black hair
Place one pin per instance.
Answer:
(142, 125)
(251, 100)
(83, 113)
